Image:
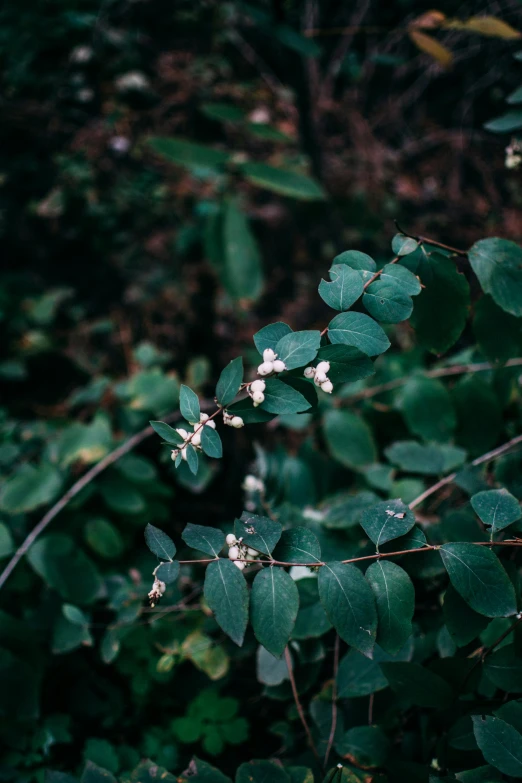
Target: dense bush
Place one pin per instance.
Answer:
(333, 582)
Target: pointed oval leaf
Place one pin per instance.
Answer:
(298, 348)
(269, 336)
(477, 574)
(192, 459)
(347, 364)
(359, 330)
(349, 604)
(166, 432)
(226, 593)
(396, 274)
(387, 303)
(229, 381)
(189, 153)
(387, 520)
(345, 289)
(211, 443)
(463, 623)
(281, 398)
(285, 183)
(395, 599)
(260, 533)
(421, 686)
(500, 743)
(189, 405)
(497, 508)
(504, 668)
(403, 245)
(349, 439)
(159, 543)
(498, 266)
(298, 545)
(168, 572)
(205, 539)
(274, 603)
(359, 676)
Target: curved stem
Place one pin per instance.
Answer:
(334, 700)
(302, 716)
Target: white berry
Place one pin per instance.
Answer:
(231, 540)
(327, 387)
(182, 433)
(211, 424)
(174, 454)
(239, 564)
(237, 422)
(257, 398)
(184, 453)
(196, 439)
(233, 552)
(309, 372)
(266, 368)
(269, 355)
(257, 386)
(320, 377)
(323, 367)
(203, 417)
(279, 366)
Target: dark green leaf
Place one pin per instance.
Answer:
(192, 459)
(257, 532)
(476, 401)
(273, 606)
(159, 543)
(349, 439)
(366, 746)
(387, 520)
(477, 574)
(504, 669)
(428, 410)
(395, 600)
(359, 676)
(498, 266)
(346, 287)
(269, 336)
(189, 405)
(30, 487)
(387, 303)
(227, 596)
(223, 112)
(347, 364)
(356, 260)
(189, 154)
(359, 330)
(484, 774)
(229, 382)
(261, 772)
(168, 572)
(349, 604)
(64, 567)
(285, 183)
(429, 460)
(242, 273)
(497, 508)
(463, 623)
(500, 743)
(298, 348)
(398, 275)
(498, 333)
(204, 539)
(211, 443)
(298, 545)
(418, 684)
(166, 432)
(403, 245)
(248, 413)
(281, 398)
(505, 123)
(94, 774)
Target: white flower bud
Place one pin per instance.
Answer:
(266, 368)
(323, 367)
(320, 377)
(257, 386)
(239, 564)
(279, 366)
(257, 398)
(231, 540)
(237, 422)
(327, 387)
(269, 355)
(233, 552)
(309, 372)
(182, 433)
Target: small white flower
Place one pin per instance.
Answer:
(309, 372)
(320, 377)
(269, 355)
(323, 367)
(239, 564)
(257, 398)
(233, 552)
(231, 540)
(257, 386)
(327, 387)
(266, 368)
(279, 366)
(237, 422)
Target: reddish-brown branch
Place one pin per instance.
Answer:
(334, 700)
(299, 706)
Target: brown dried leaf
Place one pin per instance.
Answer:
(431, 46)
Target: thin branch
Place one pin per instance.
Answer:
(378, 274)
(440, 372)
(428, 241)
(370, 709)
(483, 653)
(334, 700)
(302, 716)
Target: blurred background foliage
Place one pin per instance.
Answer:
(132, 264)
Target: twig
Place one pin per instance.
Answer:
(302, 716)
(484, 653)
(334, 700)
(428, 241)
(370, 709)
(440, 372)
(378, 274)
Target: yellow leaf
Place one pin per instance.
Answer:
(428, 20)
(432, 47)
(485, 25)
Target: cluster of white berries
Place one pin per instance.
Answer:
(233, 421)
(320, 377)
(237, 549)
(270, 363)
(193, 438)
(514, 154)
(256, 392)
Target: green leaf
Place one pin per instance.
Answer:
(257, 532)
(395, 600)
(428, 460)
(298, 348)
(285, 183)
(189, 153)
(497, 508)
(121, 495)
(366, 746)
(345, 289)
(463, 623)
(347, 364)
(242, 272)
(356, 260)
(223, 112)
(387, 303)
(7, 545)
(500, 743)
(103, 538)
(504, 668)
(418, 684)
(269, 336)
(30, 487)
(505, 123)
(349, 604)
(94, 774)
(273, 608)
(281, 398)
(298, 545)
(498, 266)
(477, 574)
(311, 623)
(511, 712)
(261, 772)
(211, 443)
(387, 520)
(75, 615)
(192, 459)
(201, 772)
(427, 408)
(498, 334)
(359, 330)
(484, 774)
(248, 413)
(403, 245)
(515, 96)
(475, 401)
(168, 572)
(349, 439)
(159, 543)
(359, 676)
(189, 405)
(205, 539)
(441, 309)
(226, 594)
(229, 382)
(398, 275)
(270, 670)
(59, 561)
